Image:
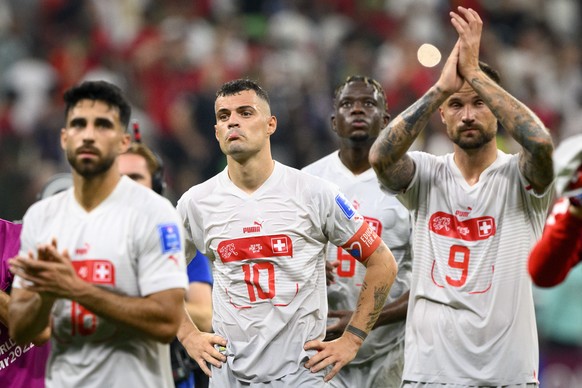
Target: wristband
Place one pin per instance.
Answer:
(357, 332)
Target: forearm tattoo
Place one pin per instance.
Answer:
(395, 169)
(402, 132)
(525, 127)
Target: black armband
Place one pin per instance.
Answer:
(357, 332)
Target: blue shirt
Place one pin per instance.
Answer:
(199, 270)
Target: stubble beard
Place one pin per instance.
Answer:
(475, 142)
(89, 169)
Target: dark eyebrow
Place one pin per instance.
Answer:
(245, 107)
(78, 121)
(100, 121)
(103, 122)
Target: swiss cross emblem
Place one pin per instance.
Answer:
(374, 225)
(485, 227)
(102, 272)
(279, 245)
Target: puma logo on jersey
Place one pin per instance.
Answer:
(256, 228)
(461, 213)
(82, 251)
(173, 258)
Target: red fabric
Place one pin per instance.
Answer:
(559, 249)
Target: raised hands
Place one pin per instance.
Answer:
(464, 58)
(450, 80)
(469, 27)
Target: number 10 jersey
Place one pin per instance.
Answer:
(268, 251)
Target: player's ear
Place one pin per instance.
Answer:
(442, 115)
(125, 142)
(271, 125)
(63, 137)
(385, 119)
(332, 119)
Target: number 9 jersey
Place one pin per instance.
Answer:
(469, 272)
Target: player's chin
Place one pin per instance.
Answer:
(359, 136)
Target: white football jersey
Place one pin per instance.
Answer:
(269, 291)
(132, 244)
(391, 221)
(471, 317)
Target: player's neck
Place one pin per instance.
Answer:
(90, 192)
(250, 174)
(473, 162)
(355, 158)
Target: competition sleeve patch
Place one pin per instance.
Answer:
(345, 205)
(363, 243)
(169, 238)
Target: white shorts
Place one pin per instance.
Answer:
(223, 377)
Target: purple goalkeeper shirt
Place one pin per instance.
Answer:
(20, 366)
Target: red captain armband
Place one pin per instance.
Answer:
(363, 243)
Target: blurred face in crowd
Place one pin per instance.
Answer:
(360, 112)
(469, 121)
(93, 137)
(135, 167)
(244, 124)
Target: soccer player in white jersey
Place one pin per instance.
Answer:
(360, 113)
(103, 262)
(476, 214)
(266, 226)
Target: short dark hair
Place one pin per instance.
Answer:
(490, 72)
(99, 91)
(236, 86)
(360, 78)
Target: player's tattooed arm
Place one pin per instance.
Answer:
(380, 295)
(393, 166)
(380, 274)
(525, 127)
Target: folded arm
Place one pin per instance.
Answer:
(52, 276)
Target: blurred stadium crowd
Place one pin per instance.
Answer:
(170, 56)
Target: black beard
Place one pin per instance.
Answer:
(90, 169)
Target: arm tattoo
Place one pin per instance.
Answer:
(525, 127)
(392, 165)
(380, 295)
